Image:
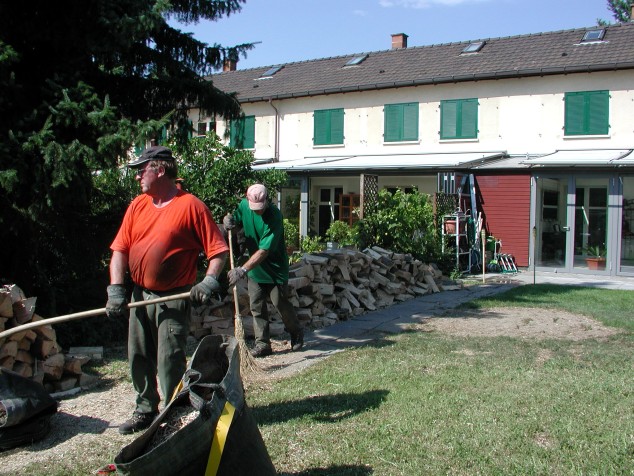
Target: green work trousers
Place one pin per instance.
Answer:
(278, 293)
(157, 340)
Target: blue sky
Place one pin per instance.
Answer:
(298, 30)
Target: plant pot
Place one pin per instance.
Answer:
(450, 227)
(595, 263)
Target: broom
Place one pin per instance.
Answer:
(247, 362)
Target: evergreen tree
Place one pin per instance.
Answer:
(621, 11)
(80, 83)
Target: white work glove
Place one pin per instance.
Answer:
(201, 293)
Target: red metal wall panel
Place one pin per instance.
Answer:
(505, 203)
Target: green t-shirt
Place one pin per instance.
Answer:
(265, 232)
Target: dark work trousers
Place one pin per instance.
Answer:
(157, 339)
(278, 293)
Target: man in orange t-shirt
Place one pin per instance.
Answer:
(161, 236)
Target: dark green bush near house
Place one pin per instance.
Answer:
(402, 222)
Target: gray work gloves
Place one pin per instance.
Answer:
(228, 222)
(117, 302)
(201, 293)
(235, 275)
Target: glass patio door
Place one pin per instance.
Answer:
(572, 224)
(591, 224)
(551, 224)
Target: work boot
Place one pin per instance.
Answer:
(261, 350)
(138, 422)
(297, 340)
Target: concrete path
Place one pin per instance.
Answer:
(372, 326)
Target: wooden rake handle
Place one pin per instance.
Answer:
(236, 304)
(91, 313)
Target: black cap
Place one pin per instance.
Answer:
(157, 152)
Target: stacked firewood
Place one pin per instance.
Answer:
(34, 353)
(331, 286)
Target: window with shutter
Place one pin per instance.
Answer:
(328, 127)
(400, 122)
(459, 119)
(242, 133)
(587, 113)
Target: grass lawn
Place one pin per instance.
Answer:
(430, 404)
(427, 403)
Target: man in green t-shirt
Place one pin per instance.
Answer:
(267, 267)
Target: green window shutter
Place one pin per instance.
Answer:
(459, 119)
(393, 123)
(328, 126)
(322, 127)
(573, 114)
(587, 113)
(242, 133)
(400, 122)
(448, 119)
(190, 130)
(469, 119)
(598, 107)
(249, 133)
(336, 125)
(162, 139)
(410, 121)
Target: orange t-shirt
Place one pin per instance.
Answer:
(163, 244)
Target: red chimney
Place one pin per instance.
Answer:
(399, 40)
(229, 65)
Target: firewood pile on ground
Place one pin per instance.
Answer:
(331, 286)
(34, 353)
(325, 288)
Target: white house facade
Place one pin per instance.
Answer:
(542, 124)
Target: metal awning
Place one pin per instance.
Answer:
(395, 162)
(582, 158)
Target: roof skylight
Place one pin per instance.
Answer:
(356, 60)
(271, 71)
(594, 35)
(474, 47)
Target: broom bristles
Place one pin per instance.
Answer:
(247, 361)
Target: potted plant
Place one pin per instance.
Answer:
(595, 257)
(340, 233)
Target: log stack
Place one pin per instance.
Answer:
(332, 286)
(35, 353)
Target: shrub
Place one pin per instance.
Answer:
(311, 244)
(402, 222)
(291, 234)
(342, 233)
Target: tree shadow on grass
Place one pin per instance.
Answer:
(337, 470)
(321, 408)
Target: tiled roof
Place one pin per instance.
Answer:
(538, 54)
